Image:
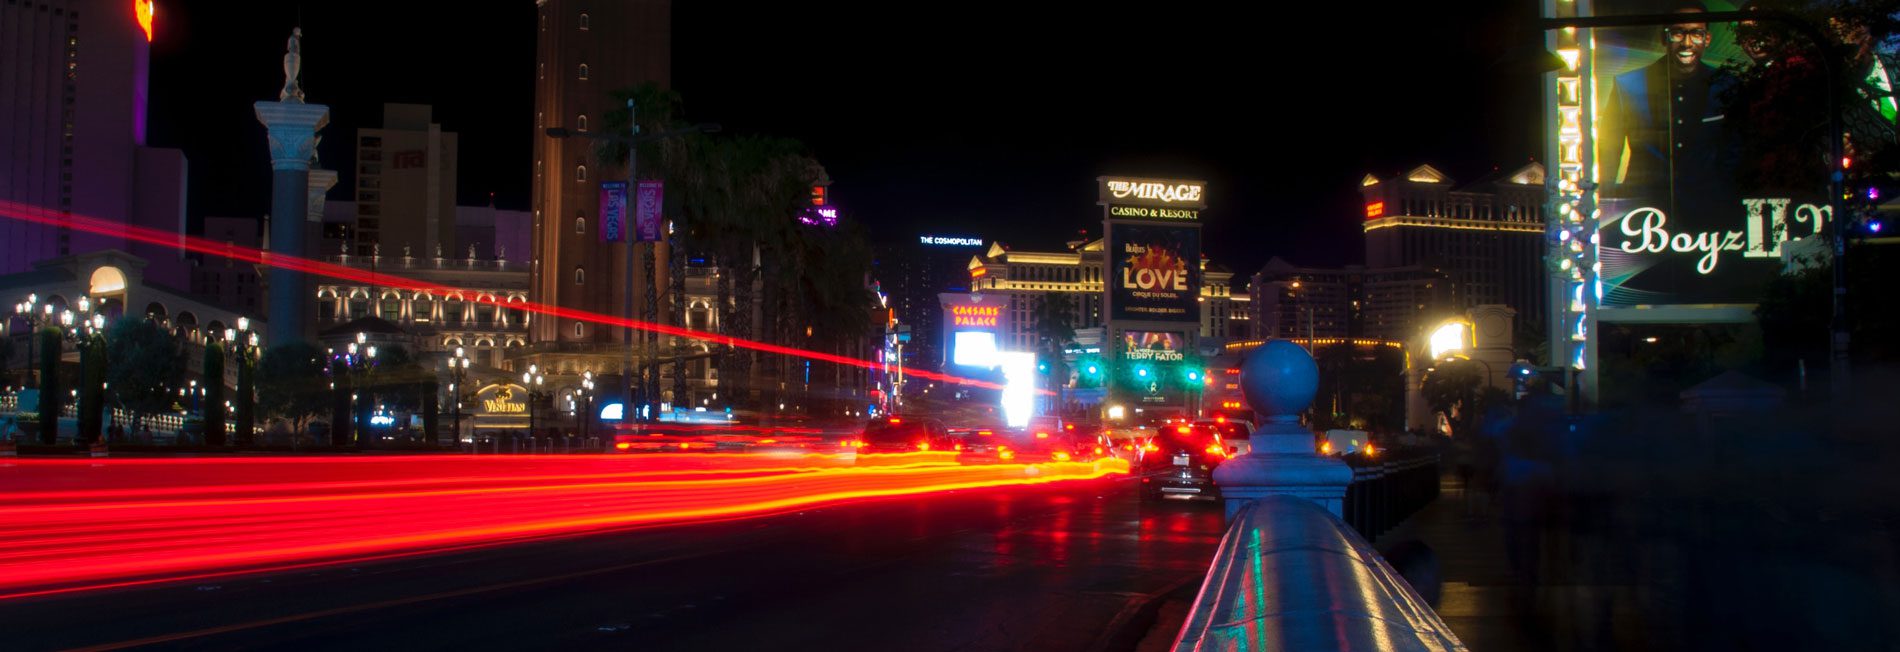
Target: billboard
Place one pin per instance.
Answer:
(974, 328)
(1154, 272)
(1702, 181)
(1153, 346)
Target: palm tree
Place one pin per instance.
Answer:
(1054, 315)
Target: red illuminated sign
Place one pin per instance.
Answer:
(817, 195)
(1375, 209)
(975, 315)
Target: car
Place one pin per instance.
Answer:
(1179, 461)
(1234, 432)
(902, 434)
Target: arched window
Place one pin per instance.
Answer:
(580, 123)
(577, 330)
(583, 72)
(584, 21)
(580, 275)
(580, 225)
(580, 173)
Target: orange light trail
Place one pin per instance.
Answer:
(76, 525)
(36, 214)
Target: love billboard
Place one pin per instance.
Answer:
(1154, 272)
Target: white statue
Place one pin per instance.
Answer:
(501, 252)
(405, 251)
(438, 251)
(293, 67)
(376, 250)
(471, 251)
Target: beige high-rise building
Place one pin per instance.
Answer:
(405, 184)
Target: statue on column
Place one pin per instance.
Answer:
(293, 67)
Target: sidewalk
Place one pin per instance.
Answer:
(1491, 607)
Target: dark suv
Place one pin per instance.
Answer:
(904, 435)
(1179, 461)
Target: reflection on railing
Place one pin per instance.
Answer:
(1290, 576)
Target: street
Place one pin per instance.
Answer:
(1051, 567)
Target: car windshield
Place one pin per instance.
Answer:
(884, 432)
(1227, 429)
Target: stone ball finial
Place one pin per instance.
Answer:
(1279, 379)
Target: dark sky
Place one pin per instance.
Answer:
(946, 118)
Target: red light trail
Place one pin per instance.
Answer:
(30, 213)
(74, 525)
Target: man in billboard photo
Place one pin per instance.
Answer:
(1663, 144)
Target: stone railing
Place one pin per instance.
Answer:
(1291, 576)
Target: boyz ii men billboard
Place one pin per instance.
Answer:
(1708, 160)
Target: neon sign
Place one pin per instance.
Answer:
(1375, 209)
(145, 9)
(1163, 191)
(950, 241)
(504, 403)
(1154, 213)
(975, 315)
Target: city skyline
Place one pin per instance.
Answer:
(1014, 162)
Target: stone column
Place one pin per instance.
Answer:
(1279, 379)
(293, 128)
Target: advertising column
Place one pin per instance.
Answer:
(1152, 294)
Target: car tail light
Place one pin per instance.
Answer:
(1182, 429)
(958, 447)
(684, 445)
(1006, 454)
(623, 446)
(923, 445)
(1068, 426)
(1098, 450)
(1061, 456)
(1326, 448)
(1150, 447)
(1042, 435)
(1369, 450)
(896, 420)
(1217, 450)
(983, 433)
(768, 441)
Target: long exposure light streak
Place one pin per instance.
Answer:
(74, 525)
(36, 214)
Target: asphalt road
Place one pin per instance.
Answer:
(1059, 567)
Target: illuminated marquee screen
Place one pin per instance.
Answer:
(1153, 346)
(973, 328)
(1700, 192)
(1154, 272)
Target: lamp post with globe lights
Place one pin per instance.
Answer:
(28, 312)
(534, 380)
(458, 379)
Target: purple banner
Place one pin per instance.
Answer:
(613, 211)
(646, 216)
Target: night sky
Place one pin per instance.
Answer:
(951, 119)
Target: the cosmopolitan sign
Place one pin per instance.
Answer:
(949, 241)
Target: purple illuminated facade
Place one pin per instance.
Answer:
(72, 134)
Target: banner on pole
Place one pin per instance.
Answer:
(647, 203)
(613, 211)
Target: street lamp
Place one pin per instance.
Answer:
(25, 311)
(533, 379)
(587, 394)
(632, 140)
(241, 343)
(458, 377)
(358, 360)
